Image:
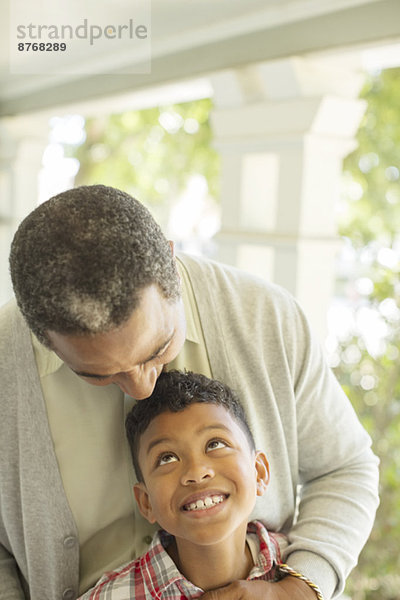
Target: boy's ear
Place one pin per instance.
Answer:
(262, 470)
(143, 501)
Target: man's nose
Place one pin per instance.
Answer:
(139, 386)
(196, 470)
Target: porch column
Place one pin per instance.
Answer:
(22, 142)
(282, 129)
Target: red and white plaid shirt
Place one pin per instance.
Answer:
(155, 575)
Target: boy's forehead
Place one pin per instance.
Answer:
(193, 419)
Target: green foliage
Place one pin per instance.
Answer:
(151, 153)
(372, 226)
(375, 165)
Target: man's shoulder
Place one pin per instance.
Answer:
(8, 309)
(197, 265)
(9, 318)
(209, 277)
(12, 323)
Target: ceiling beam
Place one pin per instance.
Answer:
(361, 25)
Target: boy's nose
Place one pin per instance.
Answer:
(196, 472)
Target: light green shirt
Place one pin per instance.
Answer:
(97, 477)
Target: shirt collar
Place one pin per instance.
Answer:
(189, 302)
(47, 361)
(159, 571)
(164, 573)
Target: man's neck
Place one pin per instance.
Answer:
(215, 565)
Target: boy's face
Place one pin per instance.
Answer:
(200, 476)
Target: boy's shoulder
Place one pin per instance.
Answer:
(140, 577)
(266, 548)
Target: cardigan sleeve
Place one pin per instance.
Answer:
(338, 471)
(10, 582)
(35, 518)
(10, 585)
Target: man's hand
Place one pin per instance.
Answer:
(289, 588)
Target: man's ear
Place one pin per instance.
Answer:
(262, 470)
(143, 501)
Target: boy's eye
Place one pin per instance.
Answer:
(216, 445)
(166, 458)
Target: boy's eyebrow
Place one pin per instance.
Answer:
(164, 439)
(156, 442)
(153, 355)
(214, 426)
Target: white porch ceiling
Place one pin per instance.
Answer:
(192, 38)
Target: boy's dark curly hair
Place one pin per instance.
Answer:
(174, 391)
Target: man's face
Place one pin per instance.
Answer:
(133, 355)
(201, 477)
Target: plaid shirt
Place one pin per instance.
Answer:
(154, 575)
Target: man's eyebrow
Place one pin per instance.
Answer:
(160, 348)
(94, 375)
(155, 353)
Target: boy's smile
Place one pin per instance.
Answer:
(201, 477)
(203, 501)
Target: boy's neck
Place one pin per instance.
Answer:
(213, 566)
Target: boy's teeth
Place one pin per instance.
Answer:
(204, 503)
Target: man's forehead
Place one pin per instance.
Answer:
(136, 341)
(95, 355)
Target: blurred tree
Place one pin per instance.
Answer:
(151, 153)
(371, 375)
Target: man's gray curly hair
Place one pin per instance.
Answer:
(80, 260)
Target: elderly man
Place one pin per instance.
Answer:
(102, 307)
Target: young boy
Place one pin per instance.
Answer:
(198, 477)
